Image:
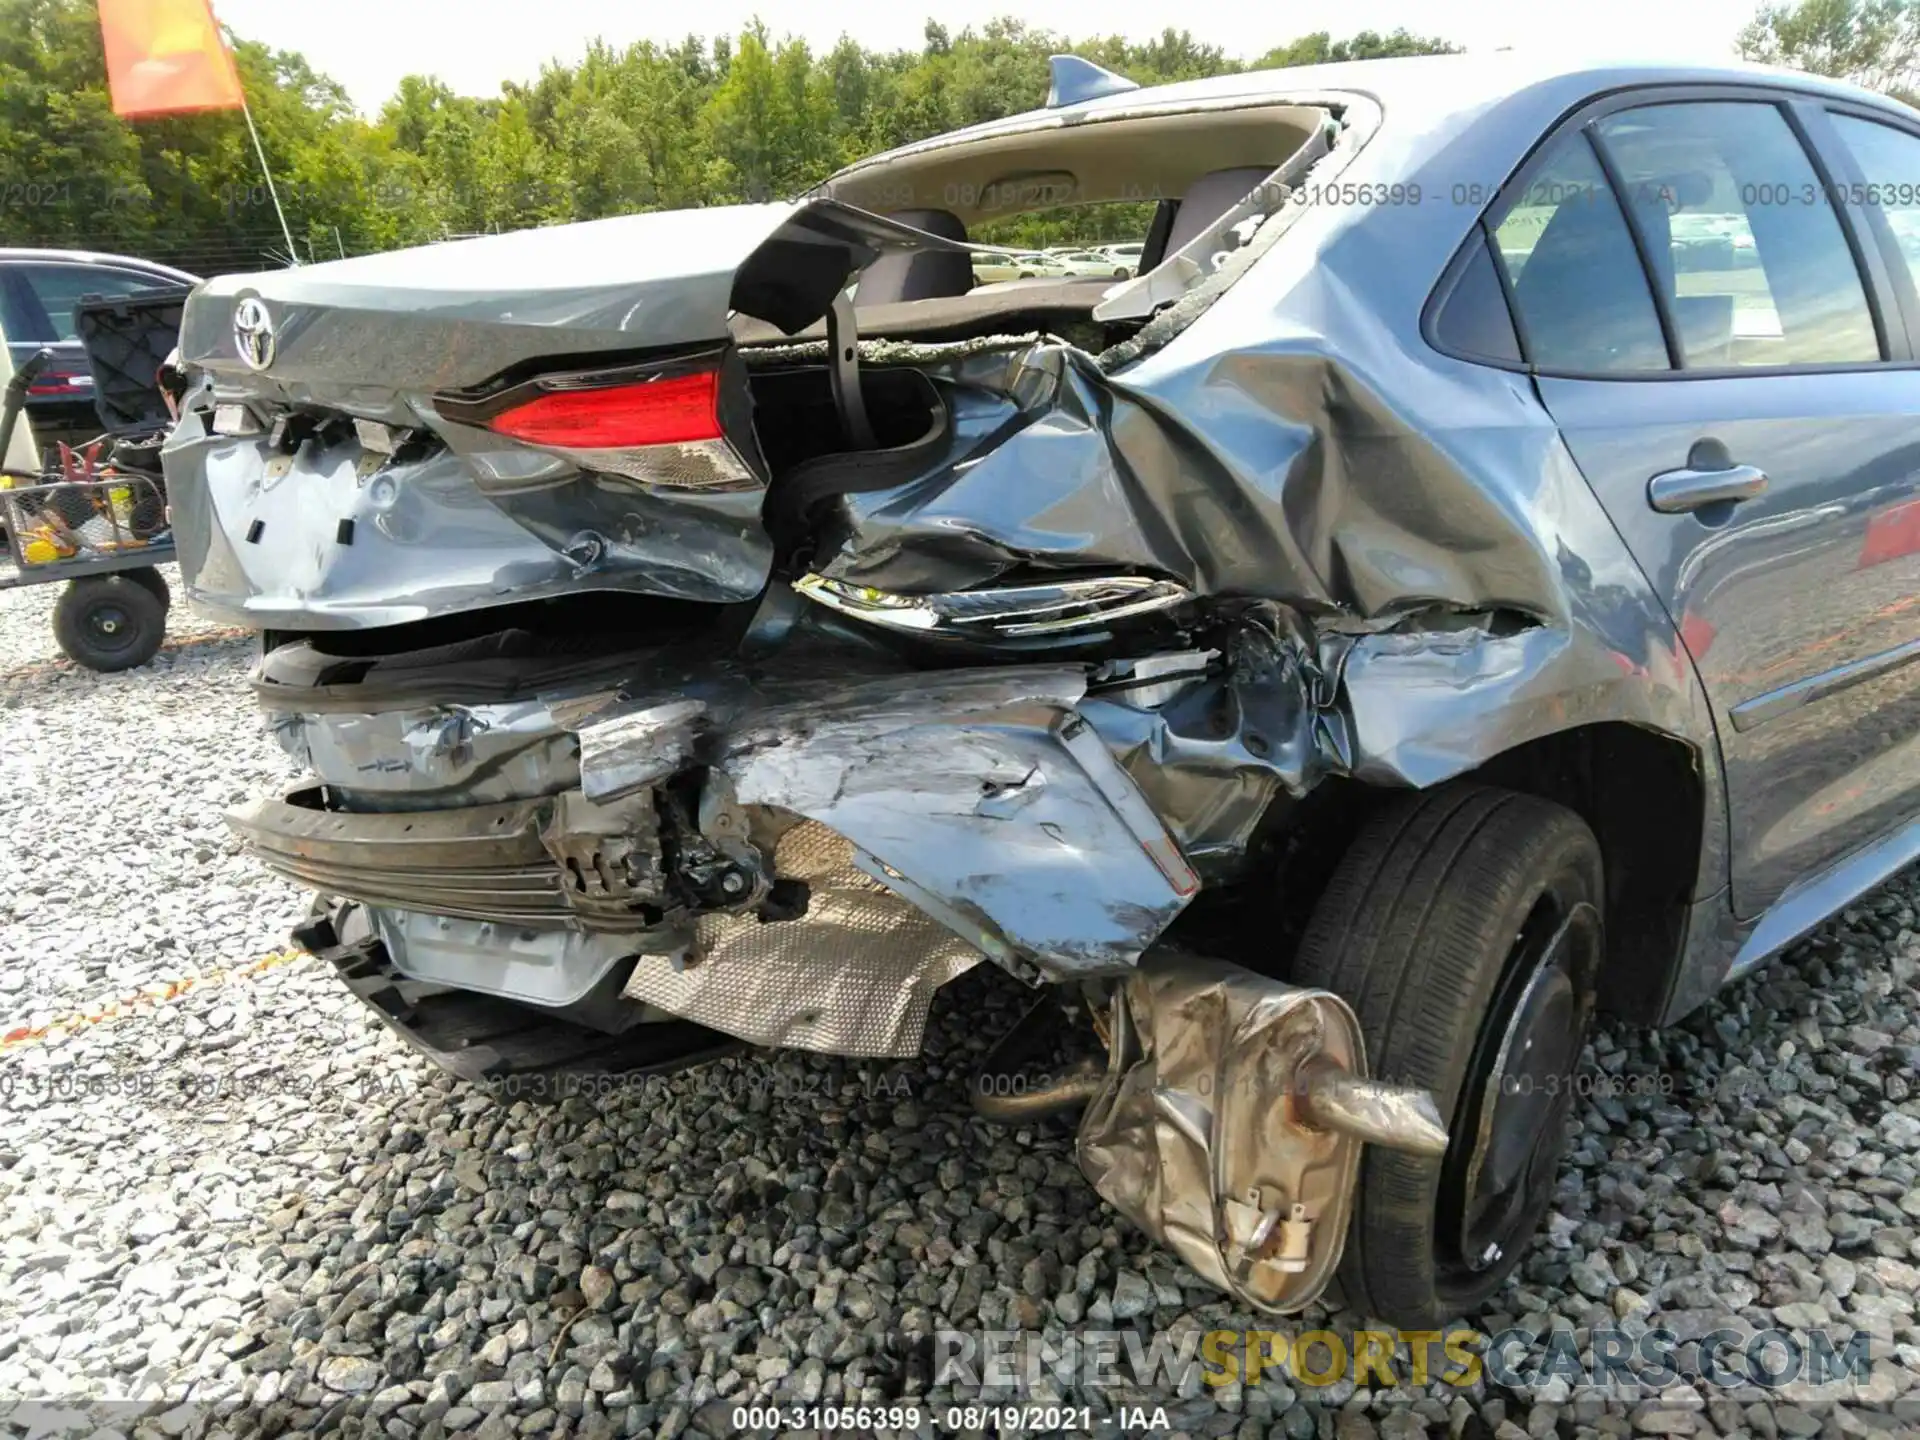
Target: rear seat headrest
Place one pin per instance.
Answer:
(919, 274)
(1206, 200)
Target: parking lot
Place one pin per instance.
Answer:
(223, 1184)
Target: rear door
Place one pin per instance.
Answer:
(1716, 333)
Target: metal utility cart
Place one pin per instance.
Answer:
(96, 517)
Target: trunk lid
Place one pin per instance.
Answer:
(459, 314)
(393, 437)
(453, 315)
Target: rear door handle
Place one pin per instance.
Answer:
(1674, 492)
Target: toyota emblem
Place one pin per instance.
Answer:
(253, 333)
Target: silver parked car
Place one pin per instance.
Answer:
(1410, 614)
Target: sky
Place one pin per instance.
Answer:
(474, 45)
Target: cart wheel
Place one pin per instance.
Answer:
(148, 577)
(109, 622)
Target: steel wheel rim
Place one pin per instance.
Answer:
(1519, 1088)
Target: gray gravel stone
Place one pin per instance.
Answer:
(351, 1374)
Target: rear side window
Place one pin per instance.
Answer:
(60, 287)
(1889, 161)
(1752, 272)
(1473, 321)
(1577, 283)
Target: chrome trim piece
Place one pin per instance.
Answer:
(1011, 610)
(253, 336)
(1676, 492)
(1752, 714)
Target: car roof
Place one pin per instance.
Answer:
(1426, 92)
(17, 254)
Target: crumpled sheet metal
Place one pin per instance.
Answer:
(1196, 1136)
(980, 795)
(856, 976)
(1293, 482)
(1425, 524)
(1216, 753)
(430, 757)
(436, 536)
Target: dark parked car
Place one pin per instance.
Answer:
(1410, 614)
(38, 292)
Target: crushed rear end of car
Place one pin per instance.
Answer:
(687, 652)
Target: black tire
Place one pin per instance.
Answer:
(1460, 919)
(109, 622)
(1123, 274)
(153, 580)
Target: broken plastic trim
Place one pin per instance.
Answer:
(1012, 611)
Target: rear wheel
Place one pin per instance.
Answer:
(109, 622)
(1463, 926)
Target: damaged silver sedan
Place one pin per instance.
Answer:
(1427, 603)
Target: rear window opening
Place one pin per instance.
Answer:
(1073, 234)
(1067, 218)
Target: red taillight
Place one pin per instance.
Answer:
(54, 381)
(671, 410)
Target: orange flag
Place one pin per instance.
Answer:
(165, 56)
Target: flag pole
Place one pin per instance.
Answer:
(259, 150)
(272, 193)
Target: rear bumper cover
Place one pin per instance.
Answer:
(982, 797)
(972, 814)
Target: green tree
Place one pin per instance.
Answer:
(1321, 48)
(709, 120)
(1875, 43)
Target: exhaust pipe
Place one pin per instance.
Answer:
(1072, 1091)
(1000, 1096)
(1371, 1111)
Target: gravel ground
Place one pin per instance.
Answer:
(230, 1200)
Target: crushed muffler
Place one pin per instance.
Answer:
(1230, 1121)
